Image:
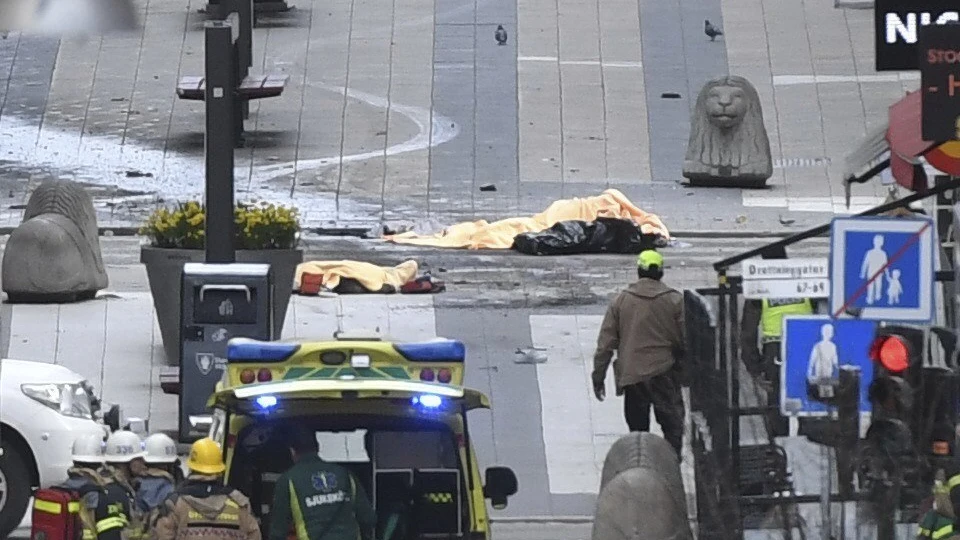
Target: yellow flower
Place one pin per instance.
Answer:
(259, 225)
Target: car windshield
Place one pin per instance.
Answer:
(390, 458)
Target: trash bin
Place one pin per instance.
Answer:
(218, 302)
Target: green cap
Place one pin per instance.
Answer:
(648, 258)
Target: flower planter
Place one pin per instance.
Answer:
(165, 269)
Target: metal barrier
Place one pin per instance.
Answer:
(712, 318)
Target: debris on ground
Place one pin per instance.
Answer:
(531, 355)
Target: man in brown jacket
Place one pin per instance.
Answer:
(644, 326)
(203, 508)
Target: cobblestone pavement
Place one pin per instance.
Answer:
(405, 109)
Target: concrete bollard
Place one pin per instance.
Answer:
(641, 492)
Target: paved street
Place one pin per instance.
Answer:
(556, 444)
(404, 110)
(401, 111)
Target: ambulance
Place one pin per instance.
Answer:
(394, 414)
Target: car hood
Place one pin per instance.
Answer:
(13, 373)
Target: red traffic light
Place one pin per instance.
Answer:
(892, 352)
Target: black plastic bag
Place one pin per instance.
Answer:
(605, 235)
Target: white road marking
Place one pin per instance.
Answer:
(836, 205)
(789, 80)
(578, 430)
(433, 129)
(104, 159)
(610, 64)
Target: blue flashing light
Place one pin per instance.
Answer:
(251, 350)
(443, 350)
(427, 401)
(267, 402)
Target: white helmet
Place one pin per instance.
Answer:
(88, 449)
(160, 449)
(123, 447)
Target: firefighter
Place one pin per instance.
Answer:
(761, 354)
(644, 327)
(123, 463)
(203, 508)
(316, 500)
(104, 508)
(160, 479)
(938, 522)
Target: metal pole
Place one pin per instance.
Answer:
(954, 183)
(244, 11)
(219, 140)
(826, 521)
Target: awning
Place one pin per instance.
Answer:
(945, 157)
(872, 151)
(900, 150)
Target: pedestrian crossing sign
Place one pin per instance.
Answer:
(814, 350)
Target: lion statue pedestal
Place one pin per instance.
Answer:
(728, 141)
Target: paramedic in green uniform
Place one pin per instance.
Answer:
(761, 354)
(316, 500)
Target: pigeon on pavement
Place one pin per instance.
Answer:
(711, 31)
(501, 35)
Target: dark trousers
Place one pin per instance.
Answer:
(663, 393)
(777, 424)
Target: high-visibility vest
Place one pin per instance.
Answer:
(227, 522)
(773, 312)
(935, 526)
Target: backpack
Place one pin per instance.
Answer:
(58, 515)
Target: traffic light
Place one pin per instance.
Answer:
(925, 396)
(897, 351)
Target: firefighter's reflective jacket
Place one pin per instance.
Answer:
(114, 477)
(153, 488)
(104, 509)
(935, 526)
(204, 509)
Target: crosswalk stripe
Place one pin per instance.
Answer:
(578, 430)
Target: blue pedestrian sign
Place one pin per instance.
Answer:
(813, 350)
(882, 268)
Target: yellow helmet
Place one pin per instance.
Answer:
(205, 457)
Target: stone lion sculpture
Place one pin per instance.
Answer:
(54, 255)
(728, 141)
(641, 492)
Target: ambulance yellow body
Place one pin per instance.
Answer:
(395, 414)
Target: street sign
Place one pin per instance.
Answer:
(896, 29)
(882, 268)
(813, 349)
(785, 278)
(940, 82)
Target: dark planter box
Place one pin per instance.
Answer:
(164, 271)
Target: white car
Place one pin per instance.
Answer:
(43, 409)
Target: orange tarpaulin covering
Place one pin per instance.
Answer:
(499, 234)
(371, 276)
